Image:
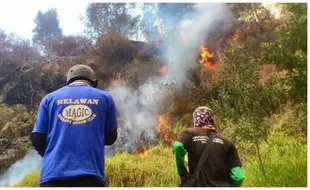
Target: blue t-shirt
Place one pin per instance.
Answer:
(75, 119)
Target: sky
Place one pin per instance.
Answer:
(17, 16)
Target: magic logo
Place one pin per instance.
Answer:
(77, 111)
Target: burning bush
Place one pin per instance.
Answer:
(208, 57)
(164, 130)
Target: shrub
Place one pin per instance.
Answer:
(115, 51)
(285, 164)
(153, 168)
(17, 121)
(70, 46)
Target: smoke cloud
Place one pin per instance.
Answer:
(30, 163)
(138, 108)
(181, 51)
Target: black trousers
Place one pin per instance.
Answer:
(83, 181)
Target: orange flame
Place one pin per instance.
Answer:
(205, 55)
(163, 120)
(144, 152)
(235, 36)
(163, 69)
(164, 130)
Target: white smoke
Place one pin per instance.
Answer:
(139, 108)
(180, 55)
(30, 163)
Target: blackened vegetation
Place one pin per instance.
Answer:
(22, 83)
(27, 81)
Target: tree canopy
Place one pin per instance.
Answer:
(47, 29)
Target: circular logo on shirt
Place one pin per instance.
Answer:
(76, 112)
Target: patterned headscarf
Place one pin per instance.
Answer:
(202, 117)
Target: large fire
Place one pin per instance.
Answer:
(206, 57)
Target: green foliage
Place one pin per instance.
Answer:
(242, 101)
(289, 51)
(16, 121)
(263, 112)
(154, 168)
(285, 162)
(291, 121)
(246, 95)
(283, 155)
(251, 11)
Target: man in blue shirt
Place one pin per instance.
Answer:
(73, 125)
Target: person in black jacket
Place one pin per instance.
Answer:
(222, 168)
(73, 125)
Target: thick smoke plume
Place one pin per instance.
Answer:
(181, 50)
(138, 108)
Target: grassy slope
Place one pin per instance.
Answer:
(285, 164)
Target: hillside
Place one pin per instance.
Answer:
(250, 70)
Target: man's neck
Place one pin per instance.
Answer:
(81, 82)
(209, 127)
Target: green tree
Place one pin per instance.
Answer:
(47, 30)
(289, 51)
(254, 12)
